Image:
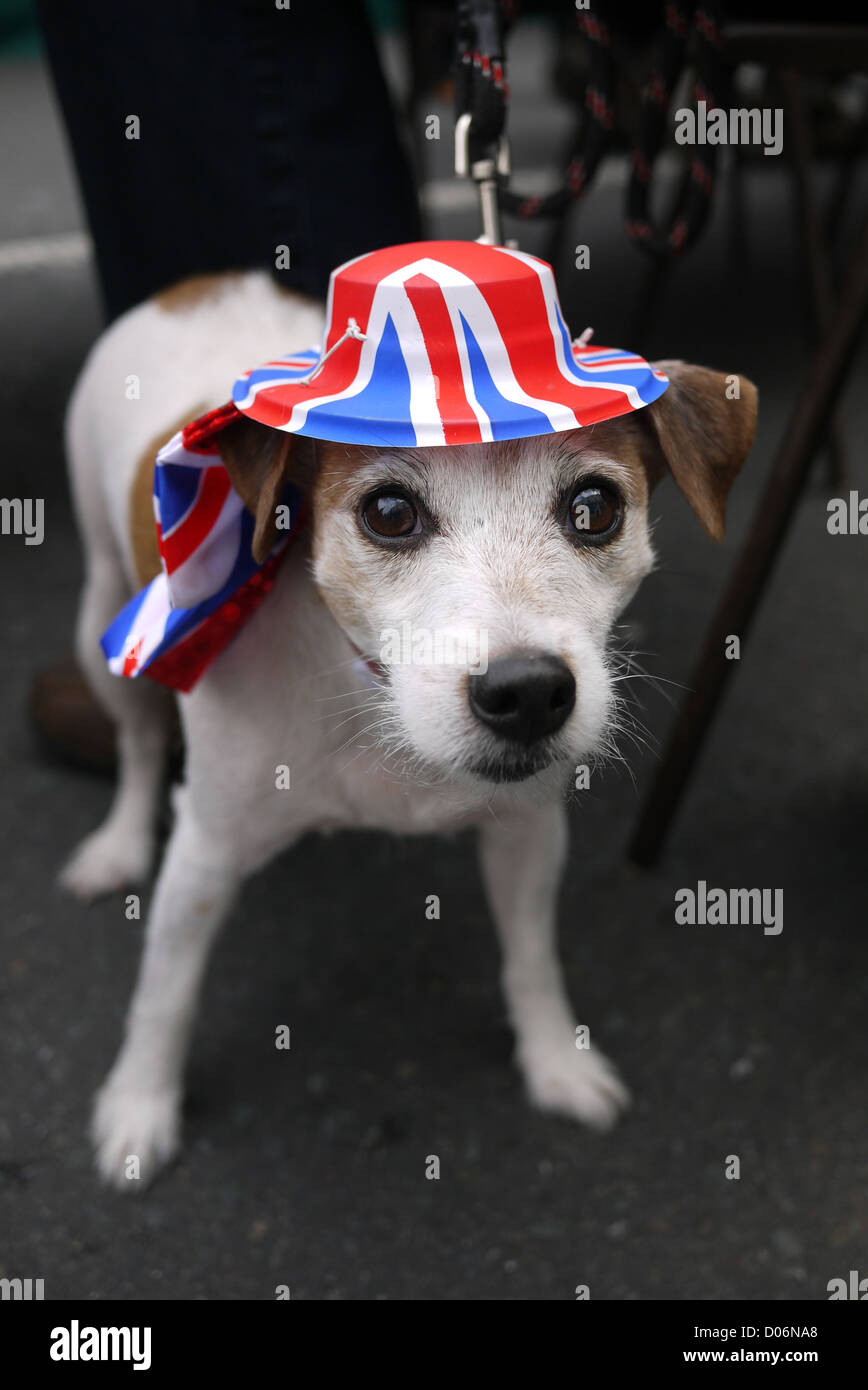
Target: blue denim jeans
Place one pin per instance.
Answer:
(258, 127)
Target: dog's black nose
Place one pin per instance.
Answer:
(524, 697)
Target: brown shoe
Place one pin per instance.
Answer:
(69, 723)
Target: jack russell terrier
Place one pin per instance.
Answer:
(457, 468)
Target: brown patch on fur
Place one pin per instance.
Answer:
(623, 441)
(337, 463)
(701, 436)
(143, 532)
(196, 288)
(260, 461)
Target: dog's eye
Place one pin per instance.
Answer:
(391, 515)
(595, 511)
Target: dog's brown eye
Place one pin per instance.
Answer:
(391, 514)
(595, 511)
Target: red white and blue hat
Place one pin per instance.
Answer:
(445, 342)
(433, 343)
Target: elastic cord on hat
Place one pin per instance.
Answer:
(352, 330)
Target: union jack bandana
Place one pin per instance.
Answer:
(433, 343)
(210, 583)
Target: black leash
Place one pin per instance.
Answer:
(481, 95)
(595, 135)
(480, 87)
(694, 199)
(481, 151)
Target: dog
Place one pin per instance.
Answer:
(468, 538)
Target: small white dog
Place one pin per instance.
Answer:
(539, 543)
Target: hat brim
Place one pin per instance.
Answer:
(339, 402)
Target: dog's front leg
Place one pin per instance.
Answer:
(137, 1113)
(522, 857)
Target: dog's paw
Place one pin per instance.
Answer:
(105, 862)
(578, 1082)
(135, 1134)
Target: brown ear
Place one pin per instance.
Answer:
(703, 426)
(261, 461)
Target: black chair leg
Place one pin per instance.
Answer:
(815, 250)
(815, 404)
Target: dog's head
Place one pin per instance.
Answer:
(485, 579)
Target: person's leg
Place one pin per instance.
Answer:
(258, 127)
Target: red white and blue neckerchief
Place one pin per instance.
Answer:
(433, 343)
(210, 583)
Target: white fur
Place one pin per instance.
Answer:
(288, 691)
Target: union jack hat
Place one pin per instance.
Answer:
(445, 342)
(436, 342)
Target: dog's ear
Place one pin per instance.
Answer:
(701, 428)
(261, 461)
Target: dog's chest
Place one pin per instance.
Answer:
(364, 795)
(291, 714)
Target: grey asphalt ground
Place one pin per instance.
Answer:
(307, 1168)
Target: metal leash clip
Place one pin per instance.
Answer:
(485, 174)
